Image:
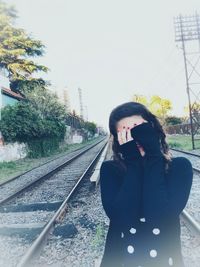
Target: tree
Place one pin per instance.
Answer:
(141, 99)
(195, 111)
(157, 105)
(16, 47)
(91, 127)
(173, 120)
(46, 103)
(160, 106)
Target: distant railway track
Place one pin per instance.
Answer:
(196, 156)
(186, 152)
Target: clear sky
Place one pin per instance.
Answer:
(112, 49)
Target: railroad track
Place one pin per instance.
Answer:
(36, 167)
(21, 183)
(53, 193)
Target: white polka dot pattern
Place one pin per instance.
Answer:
(132, 230)
(170, 261)
(142, 219)
(122, 235)
(153, 253)
(156, 231)
(130, 249)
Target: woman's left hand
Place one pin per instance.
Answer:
(148, 137)
(141, 149)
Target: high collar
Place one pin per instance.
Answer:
(133, 158)
(130, 151)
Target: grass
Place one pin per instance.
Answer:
(183, 142)
(99, 236)
(10, 169)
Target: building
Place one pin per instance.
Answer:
(8, 97)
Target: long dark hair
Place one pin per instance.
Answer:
(134, 108)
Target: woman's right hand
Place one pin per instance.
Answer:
(124, 136)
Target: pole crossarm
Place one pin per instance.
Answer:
(187, 28)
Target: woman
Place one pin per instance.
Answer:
(143, 192)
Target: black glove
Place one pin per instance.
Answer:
(130, 150)
(148, 138)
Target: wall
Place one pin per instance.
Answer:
(12, 151)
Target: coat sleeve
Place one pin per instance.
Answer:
(121, 194)
(165, 194)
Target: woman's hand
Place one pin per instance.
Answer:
(124, 136)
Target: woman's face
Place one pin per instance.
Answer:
(130, 122)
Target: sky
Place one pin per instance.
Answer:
(111, 49)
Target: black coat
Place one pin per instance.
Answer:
(143, 205)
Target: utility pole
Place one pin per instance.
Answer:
(187, 28)
(86, 113)
(66, 99)
(80, 102)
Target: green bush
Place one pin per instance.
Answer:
(42, 147)
(22, 122)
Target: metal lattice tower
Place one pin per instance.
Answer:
(187, 31)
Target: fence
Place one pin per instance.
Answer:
(182, 128)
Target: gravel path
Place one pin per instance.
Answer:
(86, 248)
(192, 206)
